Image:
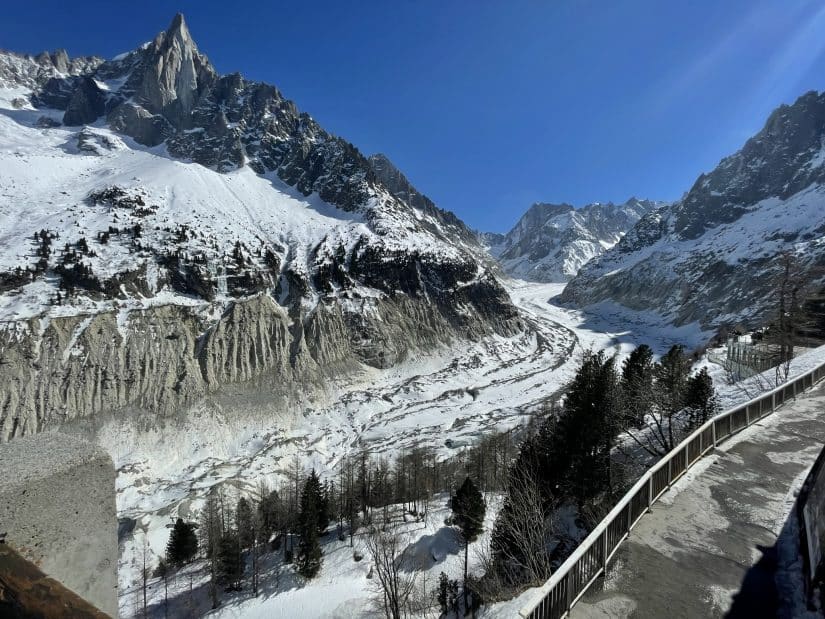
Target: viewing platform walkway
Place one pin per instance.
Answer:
(723, 541)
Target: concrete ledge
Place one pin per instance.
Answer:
(57, 508)
(27, 593)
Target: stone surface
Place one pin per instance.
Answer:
(27, 593)
(57, 508)
(86, 105)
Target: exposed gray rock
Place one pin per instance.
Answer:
(167, 359)
(173, 75)
(86, 104)
(34, 71)
(140, 124)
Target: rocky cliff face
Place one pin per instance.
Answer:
(198, 231)
(551, 242)
(716, 255)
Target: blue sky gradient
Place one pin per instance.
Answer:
(488, 106)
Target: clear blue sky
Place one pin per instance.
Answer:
(488, 106)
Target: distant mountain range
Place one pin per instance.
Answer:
(551, 242)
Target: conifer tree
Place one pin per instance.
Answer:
(243, 519)
(637, 386)
(468, 514)
(312, 521)
(700, 398)
(671, 375)
(588, 426)
(183, 543)
(230, 565)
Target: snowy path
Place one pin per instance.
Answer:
(721, 542)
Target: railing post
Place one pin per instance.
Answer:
(747, 415)
(650, 493)
(604, 552)
(713, 432)
(669, 472)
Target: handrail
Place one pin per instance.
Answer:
(555, 598)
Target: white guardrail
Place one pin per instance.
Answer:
(555, 598)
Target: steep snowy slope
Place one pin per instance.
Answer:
(166, 231)
(714, 256)
(551, 242)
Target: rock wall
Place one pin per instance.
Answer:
(162, 361)
(57, 508)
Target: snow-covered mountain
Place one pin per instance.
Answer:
(714, 256)
(167, 231)
(551, 242)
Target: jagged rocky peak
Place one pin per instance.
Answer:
(394, 180)
(174, 74)
(256, 241)
(713, 257)
(27, 71)
(551, 242)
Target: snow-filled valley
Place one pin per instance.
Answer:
(202, 283)
(448, 397)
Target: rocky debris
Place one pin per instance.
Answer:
(91, 141)
(46, 122)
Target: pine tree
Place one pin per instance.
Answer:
(588, 427)
(468, 514)
(183, 543)
(268, 511)
(312, 520)
(671, 375)
(243, 519)
(637, 386)
(211, 530)
(230, 565)
(700, 398)
(443, 596)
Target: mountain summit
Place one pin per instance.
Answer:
(202, 225)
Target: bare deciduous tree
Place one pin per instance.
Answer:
(395, 586)
(529, 531)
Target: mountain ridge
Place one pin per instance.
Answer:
(713, 257)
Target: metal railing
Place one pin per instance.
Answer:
(555, 598)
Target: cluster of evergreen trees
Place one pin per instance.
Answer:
(644, 406)
(233, 534)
